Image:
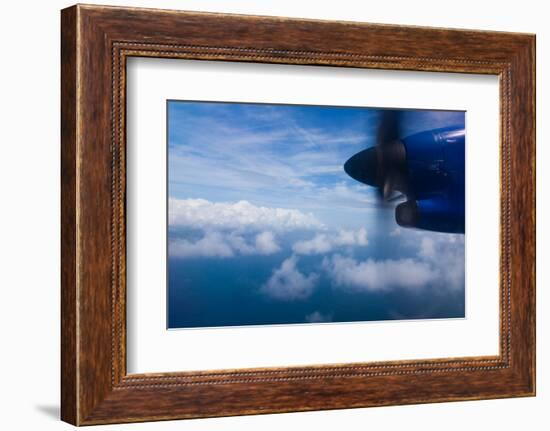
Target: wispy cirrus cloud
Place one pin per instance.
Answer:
(268, 155)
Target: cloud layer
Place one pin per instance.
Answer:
(203, 214)
(439, 259)
(219, 244)
(377, 275)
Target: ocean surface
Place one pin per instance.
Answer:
(227, 292)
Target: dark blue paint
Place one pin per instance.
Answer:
(435, 169)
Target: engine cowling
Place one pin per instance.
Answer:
(436, 214)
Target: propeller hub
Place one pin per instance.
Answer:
(382, 166)
(363, 166)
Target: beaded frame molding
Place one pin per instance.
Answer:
(95, 43)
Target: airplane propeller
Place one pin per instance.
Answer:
(384, 165)
(436, 159)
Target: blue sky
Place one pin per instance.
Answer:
(262, 188)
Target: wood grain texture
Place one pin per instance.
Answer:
(69, 367)
(96, 41)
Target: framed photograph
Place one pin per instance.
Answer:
(264, 214)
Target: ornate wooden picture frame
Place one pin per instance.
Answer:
(96, 41)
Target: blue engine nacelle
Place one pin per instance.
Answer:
(435, 162)
(437, 214)
(428, 168)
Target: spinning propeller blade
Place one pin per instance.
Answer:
(384, 165)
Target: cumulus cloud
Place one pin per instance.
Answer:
(377, 275)
(350, 237)
(201, 213)
(320, 243)
(427, 248)
(446, 254)
(212, 244)
(287, 283)
(439, 259)
(266, 243)
(318, 317)
(218, 244)
(324, 243)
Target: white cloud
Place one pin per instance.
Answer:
(376, 275)
(350, 237)
(287, 283)
(320, 243)
(200, 213)
(212, 244)
(238, 243)
(218, 244)
(439, 260)
(445, 253)
(318, 317)
(324, 243)
(266, 243)
(427, 248)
